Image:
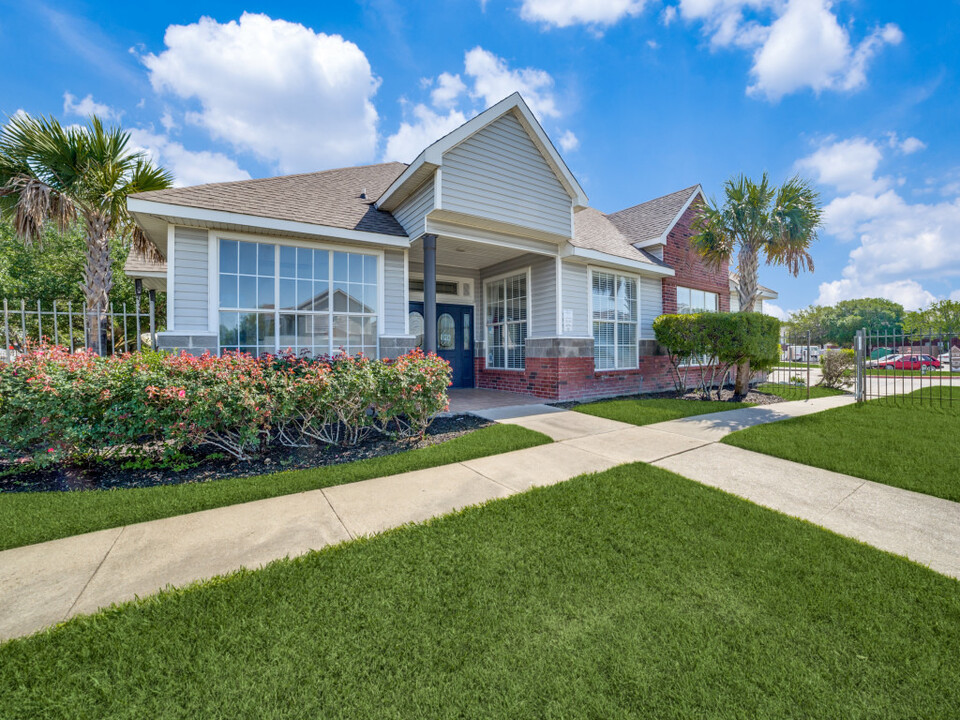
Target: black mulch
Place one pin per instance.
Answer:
(207, 466)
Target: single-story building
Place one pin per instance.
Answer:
(484, 248)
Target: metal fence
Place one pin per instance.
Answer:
(899, 367)
(797, 370)
(127, 328)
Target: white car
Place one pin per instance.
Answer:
(944, 360)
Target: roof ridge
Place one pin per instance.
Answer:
(659, 197)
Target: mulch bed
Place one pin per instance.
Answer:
(755, 397)
(275, 458)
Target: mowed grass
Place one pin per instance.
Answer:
(630, 594)
(911, 444)
(27, 518)
(795, 392)
(654, 410)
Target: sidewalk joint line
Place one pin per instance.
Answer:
(336, 514)
(94, 573)
(843, 499)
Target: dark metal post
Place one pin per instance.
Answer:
(430, 293)
(808, 364)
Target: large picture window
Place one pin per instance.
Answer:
(695, 301)
(615, 314)
(310, 300)
(506, 303)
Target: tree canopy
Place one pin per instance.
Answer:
(941, 317)
(839, 323)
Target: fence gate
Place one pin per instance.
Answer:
(903, 367)
(27, 323)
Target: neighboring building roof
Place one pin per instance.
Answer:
(138, 264)
(652, 220)
(765, 292)
(330, 197)
(592, 230)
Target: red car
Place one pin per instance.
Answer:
(912, 362)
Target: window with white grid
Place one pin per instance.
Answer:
(506, 303)
(615, 316)
(311, 301)
(696, 301)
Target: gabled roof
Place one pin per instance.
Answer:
(331, 198)
(649, 223)
(765, 292)
(432, 157)
(592, 230)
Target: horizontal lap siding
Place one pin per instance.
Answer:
(394, 301)
(190, 261)
(651, 304)
(499, 174)
(575, 298)
(412, 212)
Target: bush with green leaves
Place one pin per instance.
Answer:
(836, 367)
(704, 347)
(57, 406)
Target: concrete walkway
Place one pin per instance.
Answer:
(44, 584)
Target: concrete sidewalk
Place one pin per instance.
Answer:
(44, 584)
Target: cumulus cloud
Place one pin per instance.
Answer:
(455, 98)
(295, 98)
(188, 167)
(907, 146)
(796, 44)
(87, 106)
(564, 13)
(900, 243)
(776, 311)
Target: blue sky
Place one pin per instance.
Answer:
(642, 97)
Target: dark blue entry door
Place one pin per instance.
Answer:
(454, 338)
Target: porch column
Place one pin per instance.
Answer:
(430, 293)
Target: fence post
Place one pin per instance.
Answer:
(859, 354)
(808, 364)
(153, 325)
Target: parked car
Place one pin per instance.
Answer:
(944, 360)
(883, 361)
(911, 362)
(798, 353)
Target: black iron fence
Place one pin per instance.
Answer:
(797, 370)
(125, 327)
(897, 367)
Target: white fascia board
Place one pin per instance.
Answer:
(433, 155)
(601, 257)
(272, 224)
(486, 237)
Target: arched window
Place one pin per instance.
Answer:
(446, 332)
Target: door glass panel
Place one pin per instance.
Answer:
(416, 327)
(466, 331)
(446, 332)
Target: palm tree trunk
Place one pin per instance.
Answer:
(98, 280)
(748, 262)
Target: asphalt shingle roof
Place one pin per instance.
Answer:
(592, 230)
(650, 219)
(329, 197)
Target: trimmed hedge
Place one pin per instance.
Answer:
(61, 407)
(716, 342)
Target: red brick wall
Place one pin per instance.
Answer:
(690, 269)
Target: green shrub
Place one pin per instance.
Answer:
(835, 367)
(711, 344)
(61, 407)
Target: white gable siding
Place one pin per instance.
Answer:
(394, 307)
(734, 301)
(651, 304)
(190, 261)
(413, 210)
(499, 174)
(574, 299)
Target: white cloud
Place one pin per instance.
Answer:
(493, 80)
(847, 165)
(653, 44)
(908, 146)
(188, 167)
(668, 15)
(564, 13)
(296, 98)
(455, 98)
(796, 44)
(169, 124)
(448, 90)
(569, 142)
(427, 127)
(955, 296)
(87, 106)
(776, 311)
(900, 243)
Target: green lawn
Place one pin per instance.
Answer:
(35, 517)
(795, 392)
(908, 444)
(646, 412)
(879, 372)
(630, 594)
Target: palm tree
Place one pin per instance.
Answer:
(49, 173)
(757, 219)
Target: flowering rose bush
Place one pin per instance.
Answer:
(61, 407)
